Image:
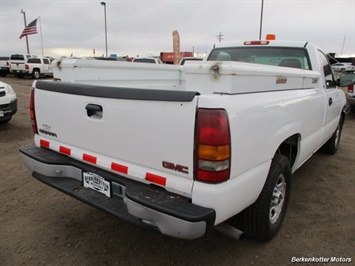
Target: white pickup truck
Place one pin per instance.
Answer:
(17, 64)
(39, 66)
(182, 149)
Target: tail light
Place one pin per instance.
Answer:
(32, 112)
(27, 67)
(212, 154)
(351, 88)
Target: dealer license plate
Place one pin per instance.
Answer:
(97, 183)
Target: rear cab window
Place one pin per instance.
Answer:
(327, 70)
(272, 56)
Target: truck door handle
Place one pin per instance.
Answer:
(330, 101)
(94, 110)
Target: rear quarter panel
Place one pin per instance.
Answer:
(259, 123)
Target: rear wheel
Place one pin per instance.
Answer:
(332, 145)
(263, 219)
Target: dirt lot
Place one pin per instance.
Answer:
(40, 226)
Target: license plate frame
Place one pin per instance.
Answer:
(97, 183)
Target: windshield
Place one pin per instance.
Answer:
(144, 60)
(273, 56)
(17, 57)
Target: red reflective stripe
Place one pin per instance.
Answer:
(89, 158)
(119, 168)
(44, 143)
(65, 150)
(155, 179)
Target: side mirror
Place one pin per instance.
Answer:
(347, 79)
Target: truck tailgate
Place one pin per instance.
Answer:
(146, 135)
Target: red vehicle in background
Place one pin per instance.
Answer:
(168, 57)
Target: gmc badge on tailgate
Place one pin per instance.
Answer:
(175, 167)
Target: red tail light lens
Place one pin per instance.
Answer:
(351, 88)
(32, 112)
(27, 67)
(212, 158)
(256, 42)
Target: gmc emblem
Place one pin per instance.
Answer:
(175, 167)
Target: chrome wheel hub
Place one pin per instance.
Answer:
(278, 198)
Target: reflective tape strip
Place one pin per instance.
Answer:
(89, 158)
(155, 179)
(119, 168)
(44, 143)
(65, 150)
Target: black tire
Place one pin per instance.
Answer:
(263, 219)
(36, 74)
(332, 145)
(3, 74)
(4, 121)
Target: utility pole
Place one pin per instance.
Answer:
(24, 18)
(220, 37)
(104, 4)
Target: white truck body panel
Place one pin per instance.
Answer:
(232, 77)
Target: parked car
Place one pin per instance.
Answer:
(17, 64)
(184, 59)
(4, 66)
(343, 67)
(152, 60)
(8, 102)
(38, 66)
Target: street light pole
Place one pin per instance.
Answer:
(24, 19)
(104, 4)
(261, 18)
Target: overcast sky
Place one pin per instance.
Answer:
(145, 27)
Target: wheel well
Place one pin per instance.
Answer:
(289, 148)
